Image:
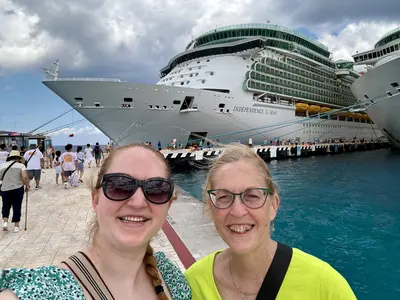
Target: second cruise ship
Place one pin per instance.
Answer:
(378, 90)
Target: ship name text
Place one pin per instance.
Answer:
(253, 110)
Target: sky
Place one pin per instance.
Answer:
(133, 40)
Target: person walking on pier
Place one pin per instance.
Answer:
(243, 209)
(98, 154)
(81, 162)
(69, 163)
(3, 153)
(49, 156)
(35, 164)
(14, 176)
(131, 196)
(89, 155)
(57, 166)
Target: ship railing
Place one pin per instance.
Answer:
(85, 79)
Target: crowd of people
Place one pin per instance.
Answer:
(20, 166)
(131, 196)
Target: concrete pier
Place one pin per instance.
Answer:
(57, 227)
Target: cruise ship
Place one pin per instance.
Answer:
(235, 83)
(378, 90)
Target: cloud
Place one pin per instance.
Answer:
(355, 37)
(133, 39)
(87, 130)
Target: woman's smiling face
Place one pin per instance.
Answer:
(241, 227)
(132, 222)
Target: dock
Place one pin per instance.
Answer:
(273, 152)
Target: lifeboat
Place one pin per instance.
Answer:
(314, 109)
(357, 116)
(325, 109)
(301, 107)
(349, 115)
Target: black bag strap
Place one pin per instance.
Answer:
(276, 273)
(86, 273)
(31, 156)
(8, 168)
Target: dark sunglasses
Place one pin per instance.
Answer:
(119, 187)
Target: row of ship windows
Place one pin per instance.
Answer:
(291, 84)
(322, 125)
(211, 73)
(203, 81)
(311, 73)
(182, 67)
(260, 86)
(342, 88)
(379, 53)
(316, 132)
(334, 86)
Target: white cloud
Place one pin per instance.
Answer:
(22, 43)
(87, 130)
(355, 37)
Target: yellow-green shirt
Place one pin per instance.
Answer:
(307, 278)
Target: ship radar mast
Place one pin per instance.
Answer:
(52, 74)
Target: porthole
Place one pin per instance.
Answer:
(211, 73)
(203, 81)
(182, 83)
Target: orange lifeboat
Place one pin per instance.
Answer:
(325, 109)
(314, 109)
(301, 107)
(349, 115)
(357, 116)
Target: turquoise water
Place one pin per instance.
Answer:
(344, 209)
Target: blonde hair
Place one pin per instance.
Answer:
(95, 184)
(234, 153)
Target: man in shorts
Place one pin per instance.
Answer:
(35, 160)
(69, 163)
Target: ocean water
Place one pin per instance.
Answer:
(344, 209)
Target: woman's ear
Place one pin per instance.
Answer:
(95, 200)
(275, 202)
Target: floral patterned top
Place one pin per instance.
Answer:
(51, 282)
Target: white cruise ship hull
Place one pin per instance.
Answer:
(154, 117)
(383, 97)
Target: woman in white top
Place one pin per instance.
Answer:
(14, 176)
(89, 154)
(57, 165)
(81, 162)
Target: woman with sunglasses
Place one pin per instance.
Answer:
(130, 197)
(243, 203)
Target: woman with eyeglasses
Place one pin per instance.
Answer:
(130, 198)
(243, 202)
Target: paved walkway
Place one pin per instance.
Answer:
(57, 227)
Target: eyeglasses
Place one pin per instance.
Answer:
(252, 198)
(119, 187)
